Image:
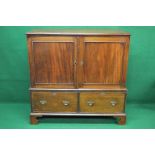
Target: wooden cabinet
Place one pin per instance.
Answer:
(78, 73)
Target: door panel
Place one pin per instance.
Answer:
(54, 62)
(102, 61)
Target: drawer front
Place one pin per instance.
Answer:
(54, 101)
(100, 102)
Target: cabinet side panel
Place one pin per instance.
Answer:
(30, 59)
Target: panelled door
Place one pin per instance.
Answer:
(72, 62)
(52, 61)
(102, 61)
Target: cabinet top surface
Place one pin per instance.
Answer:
(77, 32)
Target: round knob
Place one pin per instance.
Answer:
(113, 103)
(90, 103)
(43, 102)
(66, 103)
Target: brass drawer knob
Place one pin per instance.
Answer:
(66, 103)
(43, 102)
(90, 103)
(113, 103)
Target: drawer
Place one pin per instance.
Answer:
(54, 101)
(100, 102)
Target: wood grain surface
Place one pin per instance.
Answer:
(102, 102)
(52, 61)
(78, 72)
(54, 101)
(102, 61)
(81, 31)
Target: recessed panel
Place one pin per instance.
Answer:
(53, 62)
(103, 62)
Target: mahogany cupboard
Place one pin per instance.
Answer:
(78, 73)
